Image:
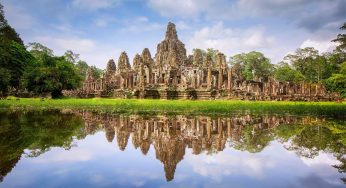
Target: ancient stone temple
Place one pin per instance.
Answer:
(171, 74)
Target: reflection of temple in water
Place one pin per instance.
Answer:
(170, 135)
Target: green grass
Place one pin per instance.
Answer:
(147, 106)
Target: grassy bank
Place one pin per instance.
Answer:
(146, 106)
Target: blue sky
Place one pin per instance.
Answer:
(99, 30)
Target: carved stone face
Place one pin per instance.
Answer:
(123, 63)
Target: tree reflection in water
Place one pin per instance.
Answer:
(34, 133)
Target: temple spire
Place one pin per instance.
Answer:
(171, 32)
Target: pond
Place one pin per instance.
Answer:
(88, 149)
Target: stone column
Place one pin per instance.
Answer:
(229, 80)
(219, 80)
(209, 78)
(101, 86)
(198, 80)
(193, 81)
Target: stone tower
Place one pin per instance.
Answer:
(137, 63)
(123, 63)
(146, 56)
(111, 67)
(171, 52)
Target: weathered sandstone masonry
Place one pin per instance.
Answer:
(171, 74)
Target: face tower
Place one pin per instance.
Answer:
(171, 52)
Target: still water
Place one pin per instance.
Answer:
(85, 149)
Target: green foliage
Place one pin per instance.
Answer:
(50, 73)
(212, 53)
(15, 58)
(39, 51)
(209, 52)
(312, 65)
(20, 59)
(4, 81)
(341, 40)
(252, 65)
(197, 50)
(82, 68)
(97, 73)
(337, 82)
(71, 57)
(284, 72)
(305, 61)
(6, 31)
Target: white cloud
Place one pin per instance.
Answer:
(95, 4)
(101, 23)
(182, 8)
(140, 24)
(321, 159)
(97, 178)
(231, 41)
(321, 46)
(94, 53)
(17, 16)
(182, 25)
(137, 178)
(104, 21)
(321, 165)
(73, 155)
(224, 164)
(312, 15)
(83, 45)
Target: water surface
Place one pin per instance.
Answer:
(85, 149)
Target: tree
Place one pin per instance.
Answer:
(14, 56)
(253, 65)
(6, 31)
(96, 72)
(284, 72)
(309, 63)
(341, 39)
(4, 81)
(337, 82)
(212, 53)
(38, 50)
(71, 57)
(81, 65)
(82, 68)
(19, 59)
(50, 73)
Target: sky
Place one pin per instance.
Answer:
(100, 30)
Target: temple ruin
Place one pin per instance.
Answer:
(171, 74)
